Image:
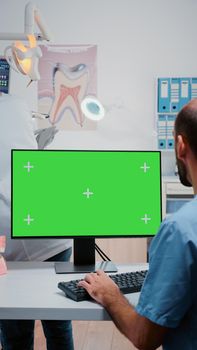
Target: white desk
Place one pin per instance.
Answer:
(29, 291)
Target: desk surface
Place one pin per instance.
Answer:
(29, 291)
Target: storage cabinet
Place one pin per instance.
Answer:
(174, 195)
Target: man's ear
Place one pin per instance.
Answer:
(181, 147)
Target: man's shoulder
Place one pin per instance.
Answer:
(182, 223)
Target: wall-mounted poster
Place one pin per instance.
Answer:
(68, 74)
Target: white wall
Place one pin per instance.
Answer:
(138, 40)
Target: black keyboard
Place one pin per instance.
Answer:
(128, 282)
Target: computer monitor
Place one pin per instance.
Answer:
(85, 195)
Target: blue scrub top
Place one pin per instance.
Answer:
(169, 293)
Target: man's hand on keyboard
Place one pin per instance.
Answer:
(101, 287)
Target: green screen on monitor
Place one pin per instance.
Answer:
(57, 193)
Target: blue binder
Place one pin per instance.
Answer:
(175, 94)
(161, 143)
(185, 91)
(163, 95)
(194, 88)
(169, 131)
(161, 127)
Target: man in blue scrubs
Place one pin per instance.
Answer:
(166, 313)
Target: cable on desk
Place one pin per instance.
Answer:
(101, 253)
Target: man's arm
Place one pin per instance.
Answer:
(143, 333)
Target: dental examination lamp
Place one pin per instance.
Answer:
(92, 108)
(24, 58)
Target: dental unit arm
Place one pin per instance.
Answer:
(25, 58)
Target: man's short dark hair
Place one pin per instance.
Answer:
(186, 124)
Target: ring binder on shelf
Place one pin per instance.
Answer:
(185, 91)
(173, 94)
(164, 95)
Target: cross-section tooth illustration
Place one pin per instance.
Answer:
(70, 87)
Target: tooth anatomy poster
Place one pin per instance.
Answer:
(68, 74)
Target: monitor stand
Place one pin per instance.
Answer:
(84, 259)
